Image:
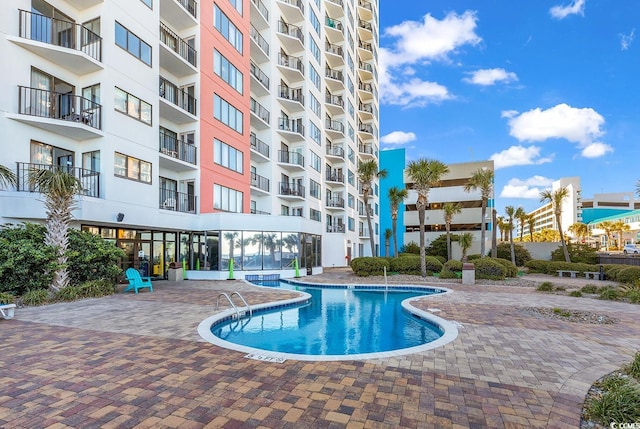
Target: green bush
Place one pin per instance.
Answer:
(408, 264)
(446, 274)
(69, 293)
(97, 288)
(575, 293)
(521, 253)
(536, 266)
(453, 265)
(633, 368)
(582, 253)
(35, 297)
(620, 404)
(609, 293)
(438, 247)
(369, 266)
(489, 269)
(589, 288)
(474, 257)
(628, 274)
(6, 298)
(611, 270)
(512, 270)
(411, 247)
(90, 257)
(545, 287)
(551, 267)
(434, 265)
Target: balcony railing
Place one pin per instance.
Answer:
(259, 74)
(365, 4)
(256, 211)
(334, 125)
(335, 176)
(294, 94)
(333, 23)
(364, 24)
(190, 6)
(257, 37)
(259, 110)
(258, 145)
(89, 179)
(257, 181)
(291, 30)
(292, 125)
(41, 28)
(365, 87)
(365, 45)
(365, 107)
(291, 188)
(178, 45)
(365, 128)
(291, 157)
(366, 149)
(363, 232)
(334, 49)
(338, 2)
(334, 74)
(365, 66)
(296, 3)
(336, 100)
(55, 105)
(262, 8)
(178, 201)
(176, 148)
(292, 62)
(335, 202)
(177, 96)
(335, 228)
(335, 151)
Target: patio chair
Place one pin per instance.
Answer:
(136, 281)
(7, 310)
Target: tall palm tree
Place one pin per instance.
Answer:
(59, 188)
(387, 238)
(450, 209)
(7, 177)
(511, 213)
(481, 180)
(620, 227)
(522, 216)
(465, 241)
(425, 174)
(367, 171)
(531, 223)
(556, 199)
(396, 197)
(501, 225)
(579, 230)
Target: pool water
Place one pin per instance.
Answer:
(336, 321)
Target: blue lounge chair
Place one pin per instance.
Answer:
(136, 281)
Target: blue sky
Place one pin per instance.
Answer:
(545, 88)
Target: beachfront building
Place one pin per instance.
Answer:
(202, 132)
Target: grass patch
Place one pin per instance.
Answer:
(609, 294)
(545, 287)
(561, 312)
(620, 404)
(575, 293)
(633, 368)
(589, 288)
(35, 297)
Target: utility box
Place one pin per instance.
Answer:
(174, 274)
(468, 274)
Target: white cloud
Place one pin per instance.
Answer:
(518, 155)
(414, 92)
(398, 138)
(486, 77)
(596, 150)
(562, 121)
(528, 188)
(575, 8)
(626, 39)
(508, 113)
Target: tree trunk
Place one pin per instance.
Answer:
(394, 222)
(567, 258)
(513, 250)
(448, 241)
(423, 262)
(365, 197)
(387, 245)
(483, 227)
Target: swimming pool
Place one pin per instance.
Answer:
(334, 322)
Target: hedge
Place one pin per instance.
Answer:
(489, 269)
(408, 264)
(369, 266)
(511, 270)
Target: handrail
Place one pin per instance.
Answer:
(238, 314)
(243, 301)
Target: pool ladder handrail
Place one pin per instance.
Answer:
(237, 310)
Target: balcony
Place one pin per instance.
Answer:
(334, 176)
(335, 203)
(366, 150)
(291, 160)
(259, 46)
(334, 30)
(292, 10)
(177, 105)
(363, 233)
(292, 129)
(291, 98)
(366, 111)
(260, 117)
(335, 152)
(89, 179)
(335, 54)
(365, 10)
(174, 150)
(261, 14)
(336, 228)
(365, 71)
(334, 129)
(291, 67)
(177, 201)
(365, 128)
(84, 4)
(181, 14)
(334, 104)
(259, 149)
(262, 80)
(335, 7)
(177, 56)
(259, 212)
(67, 44)
(261, 184)
(291, 36)
(65, 114)
(335, 79)
(291, 190)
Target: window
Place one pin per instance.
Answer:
(315, 215)
(284, 210)
(314, 132)
(132, 168)
(315, 160)
(351, 132)
(314, 21)
(237, 5)
(227, 156)
(148, 3)
(314, 48)
(314, 76)
(227, 71)
(227, 199)
(133, 44)
(92, 93)
(351, 109)
(375, 188)
(227, 114)
(314, 189)
(350, 62)
(351, 154)
(315, 104)
(375, 208)
(351, 224)
(351, 178)
(227, 29)
(350, 85)
(91, 161)
(132, 106)
(351, 201)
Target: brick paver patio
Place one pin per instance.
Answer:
(137, 361)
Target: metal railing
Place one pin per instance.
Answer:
(178, 45)
(365, 87)
(296, 3)
(256, 211)
(365, 66)
(291, 188)
(259, 110)
(364, 233)
(365, 107)
(89, 179)
(262, 9)
(55, 105)
(291, 157)
(334, 74)
(365, 128)
(176, 148)
(365, 45)
(335, 176)
(335, 151)
(190, 5)
(334, 49)
(292, 62)
(335, 228)
(257, 37)
(337, 126)
(366, 149)
(292, 125)
(335, 202)
(259, 74)
(258, 145)
(336, 100)
(365, 4)
(260, 182)
(333, 23)
(66, 34)
(175, 95)
(177, 201)
(294, 94)
(364, 24)
(291, 30)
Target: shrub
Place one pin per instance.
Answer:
(633, 368)
(411, 247)
(620, 404)
(488, 268)
(589, 288)
(35, 297)
(521, 253)
(536, 266)
(447, 274)
(609, 294)
(628, 275)
(545, 287)
(434, 265)
(369, 266)
(575, 293)
(452, 265)
(409, 264)
(438, 247)
(90, 257)
(474, 257)
(97, 288)
(582, 253)
(551, 267)
(69, 293)
(6, 298)
(512, 270)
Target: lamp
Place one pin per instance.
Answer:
(120, 217)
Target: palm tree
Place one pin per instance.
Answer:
(502, 226)
(620, 227)
(511, 213)
(7, 177)
(367, 171)
(387, 238)
(425, 174)
(59, 188)
(396, 197)
(522, 216)
(579, 230)
(465, 241)
(450, 209)
(531, 223)
(556, 198)
(481, 180)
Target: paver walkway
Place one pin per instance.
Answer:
(137, 361)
